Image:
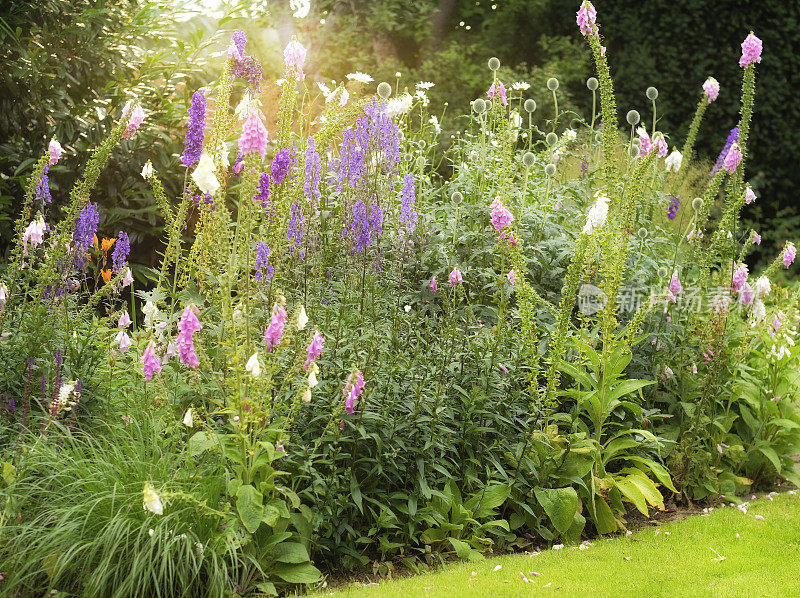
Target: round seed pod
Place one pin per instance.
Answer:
(550, 169)
(642, 233)
(552, 84)
(592, 83)
(662, 272)
(456, 197)
(528, 159)
(651, 93)
(488, 105)
(633, 118)
(551, 139)
(421, 161)
(494, 63)
(529, 105)
(697, 204)
(637, 144)
(479, 106)
(384, 90)
(421, 144)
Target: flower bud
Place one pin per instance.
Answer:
(479, 106)
(592, 83)
(384, 90)
(697, 204)
(552, 84)
(529, 105)
(642, 233)
(651, 93)
(633, 118)
(550, 169)
(528, 159)
(456, 197)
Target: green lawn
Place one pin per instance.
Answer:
(699, 556)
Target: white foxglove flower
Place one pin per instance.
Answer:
(306, 398)
(673, 162)
(344, 97)
(253, 366)
(64, 393)
(763, 287)
(128, 278)
(758, 313)
(147, 170)
(597, 214)
(204, 175)
(151, 501)
(188, 418)
(150, 311)
(300, 8)
(302, 318)
(312, 375)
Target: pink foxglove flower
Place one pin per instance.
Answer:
(455, 277)
(127, 279)
(788, 254)
(733, 159)
(746, 295)
(586, 18)
(501, 216)
(34, 234)
(3, 296)
(512, 277)
(352, 390)
(275, 329)
(711, 89)
(751, 51)
(739, 278)
(314, 349)
(124, 320)
(124, 341)
(749, 195)
(254, 135)
(660, 143)
(293, 57)
(644, 140)
(188, 325)
(498, 88)
(151, 364)
(55, 150)
(675, 285)
(756, 239)
(135, 120)
(433, 285)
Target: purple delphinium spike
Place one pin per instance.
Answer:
(196, 130)
(313, 174)
(262, 254)
(85, 229)
(733, 137)
(281, 165)
(295, 229)
(674, 204)
(43, 187)
(122, 250)
(408, 215)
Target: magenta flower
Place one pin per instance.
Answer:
(314, 349)
(788, 254)
(137, 116)
(751, 50)
(254, 136)
(275, 329)
(733, 159)
(433, 285)
(711, 89)
(352, 390)
(293, 57)
(33, 234)
(498, 88)
(661, 144)
(675, 285)
(749, 196)
(739, 278)
(646, 144)
(512, 277)
(455, 277)
(756, 239)
(151, 364)
(55, 150)
(124, 341)
(586, 18)
(188, 325)
(501, 216)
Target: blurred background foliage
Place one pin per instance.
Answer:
(69, 66)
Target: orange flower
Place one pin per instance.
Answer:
(106, 274)
(107, 244)
(94, 241)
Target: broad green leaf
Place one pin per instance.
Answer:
(290, 552)
(770, 454)
(201, 441)
(784, 423)
(647, 488)
(465, 551)
(297, 572)
(355, 492)
(633, 494)
(249, 506)
(603, 518)
(560, 504)
(485, 501)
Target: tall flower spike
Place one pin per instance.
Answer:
(151, 364)
(135, 120)
(55, 150)
(314, 349)
(204, 175)
(733, 159)
(196, 130)
(455, 277)
(711, 89)
(501, 216)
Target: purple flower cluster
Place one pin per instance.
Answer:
(295, 229)
(408, 215)
(282, 165)
(122, 250)
(366, 226)
(262, 195)
(204, 201)
(262, 254)
(375, 133)
(244, 66)
(733, 137)
(674, 204)
(43, 187)
(195, 130)
(85, 229)
(313, 173)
